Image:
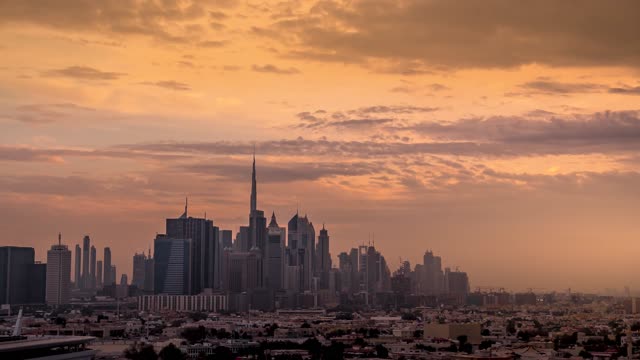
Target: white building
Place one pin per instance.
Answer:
(58, 288)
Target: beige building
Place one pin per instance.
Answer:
(453, 331)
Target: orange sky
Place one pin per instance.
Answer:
(499, 137)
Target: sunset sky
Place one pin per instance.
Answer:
(502, 135)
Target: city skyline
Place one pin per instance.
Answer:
(498, 137)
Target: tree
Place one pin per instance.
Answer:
(585, 354)
(222, 353)
(313, 346)
(382, 351)
(409, 316)
(140, 352)
(60, 321)
(86, 311)
(464, 344)
(194, 335)
(171, 352)
(335, 351)
(486, 344)
(197, 316)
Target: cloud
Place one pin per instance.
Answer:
(167, 21)
(605, 133)
(360, 118)
(83, 73)
(218, 15)
(271, 172)
(212, 43)
(550, 87)
(170, 85)
(397, 109)
(57, 155)
(44, 113)
(457, 34)
(268, 68)
(627, 90)
(613, 130)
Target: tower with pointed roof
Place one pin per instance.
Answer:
(257, 221)
(274, 255)
(301, 249)
(323, 258)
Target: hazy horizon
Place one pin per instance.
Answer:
(505, 139)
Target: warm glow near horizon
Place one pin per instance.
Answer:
(506, 139)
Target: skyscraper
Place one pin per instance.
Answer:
(92, 268)
(148, 274)
(244, 271)
(107, 267)
(78, 266)
(113, 275)
(172, 268)
(20, 277)
(301, 246)
(226, 237)
(86, 244)
(274, 254)
(99, 274)
(204, 237)
(433, 277)
(323, 258)
(457, 283)
(58, 284)
(138, 274)
(257, 221)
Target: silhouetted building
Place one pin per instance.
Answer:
(86, 244)
(148, 274)
(138, 273)
(21, 279)
(457, 283)
(323, 258)
(204, 238)
(113, 275)
(58, 284)
(226, 236)
(99, 274)
(301, 249)
(92, 268)
(244, 270)
(107, 267)
(274, 253)
(172, 265)
(78, 267)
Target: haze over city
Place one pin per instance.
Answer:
(505, 139)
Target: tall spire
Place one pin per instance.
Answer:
(186, 206)
(273, 222)
(254, 193)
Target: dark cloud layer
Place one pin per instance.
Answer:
(84, 73)
(369, 117)
(170, 85)
(608, 132)
(284, 173)
(124, 17)
(457, 33)
(269, 68)
(44, 113)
